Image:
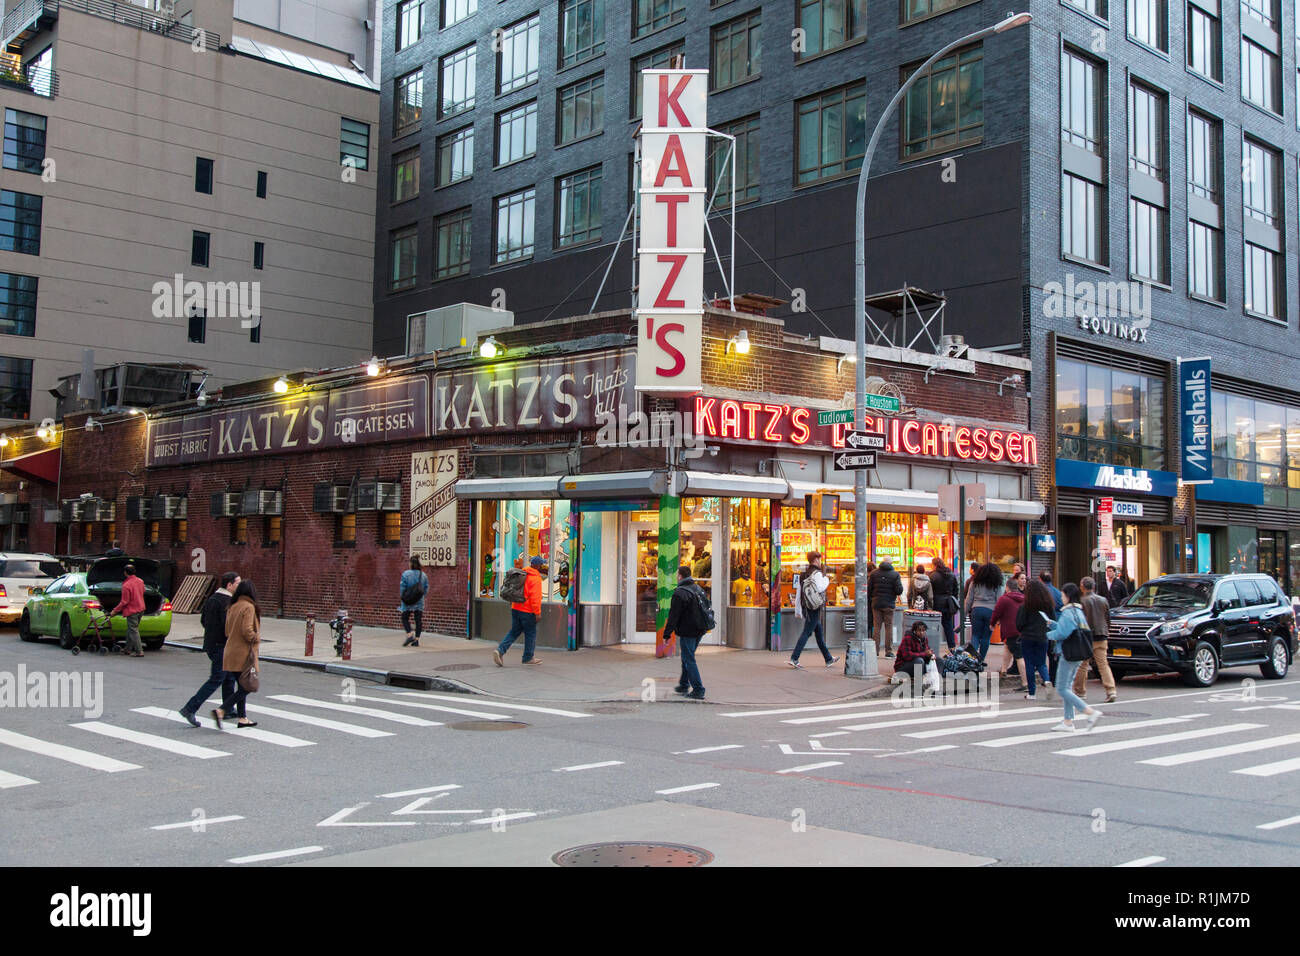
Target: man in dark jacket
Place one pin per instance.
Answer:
(213, 619)
(681, 621)
(883, 588)
(1113, 589)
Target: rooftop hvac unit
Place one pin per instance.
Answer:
(168, 506)
(224, 504)
(368, 496)
(70, 511)
(138, 508)
(390, 496)
(444, 328)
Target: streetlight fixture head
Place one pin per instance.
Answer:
(1012, 21)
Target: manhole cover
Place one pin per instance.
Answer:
(614, 709)
(488, 725)
(1124, 713)
(633, 854)
(457, 667)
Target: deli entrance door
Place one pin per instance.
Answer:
(698, 546)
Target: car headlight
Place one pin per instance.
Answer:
(1171, 628)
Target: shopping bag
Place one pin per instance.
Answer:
(931, 682)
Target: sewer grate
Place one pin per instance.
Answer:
(488, 725)
(457, 667)
(633, 854)
(1124, 713)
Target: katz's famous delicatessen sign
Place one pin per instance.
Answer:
(359, 415)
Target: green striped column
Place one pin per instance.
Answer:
(670, 546)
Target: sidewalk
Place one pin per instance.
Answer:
(619, 673)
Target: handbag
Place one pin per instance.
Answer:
(1078, 646)
(248, 676)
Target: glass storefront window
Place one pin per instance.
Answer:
(836, 543)
(488, 551)
(750, 551)
(511, 533)
(1243, 553)
(1109, 415)
(599, 565)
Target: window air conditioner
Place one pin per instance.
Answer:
(225, 504)
(138, 508)
(390, 496)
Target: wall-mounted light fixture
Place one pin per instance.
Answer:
(374, 366)
(46, 430)
(490, 348)
(4, 441)
(281, 385)
(844, 358)
(930, 371)
(739, 342)
(1013, 380)
(91, 424)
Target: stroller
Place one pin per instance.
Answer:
(101, 626)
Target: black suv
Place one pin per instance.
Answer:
(1197, 623)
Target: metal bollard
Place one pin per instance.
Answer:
(347, 639)
(311, 635)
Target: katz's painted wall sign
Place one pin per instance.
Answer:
(796, 425)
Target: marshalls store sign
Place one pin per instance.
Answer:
(670, 303)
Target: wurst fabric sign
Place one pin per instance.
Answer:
(1196, 462)
(360, 415)
(673, 192)
(434, 506)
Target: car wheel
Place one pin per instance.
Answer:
(66, 639)
(1278, 660)
(25, 627)
(1205, 666)
(155, 645)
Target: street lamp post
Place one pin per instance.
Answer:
(860, 602)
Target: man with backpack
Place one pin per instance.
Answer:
(523, 589)
(690, 617)
(812, 599)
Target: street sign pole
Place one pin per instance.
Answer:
(961, 563)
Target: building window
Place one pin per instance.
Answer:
(1260, 270)
(202, 175)
(24, 142)
(746, 133)
(1109, 416)
(17, 304)
(1148, 23)
(408, 102)
(87, 533)
(1204, 261)
(390, 528)
(272, 530)
(261, 184)
(651, 15)
(454, 11)
(345, 531)
(517, 133)
(1148, 244)
(20, 223)
(110, 531)
(354, 144)
(1147, 241)
(1261, 10)
(1082, 96)
(457, 81)
(577, 208)
(1260, 168)
(582, 30)
(453, 235)
(239, 531)
(737, 51)
(456, 156)
(514, 226)
(15, 387)
(1083, 191)
(662, 57)
(1262, 254)
(151, 539)
(581, 109)
(181, 531)
(410, 22)
(1260, 80)
(259, 255)
(945, 107)
(520, 55)
(1096, 7)
(1204, 155)
(255, 333)
(1082, 219)
(198, 327)
(827, 24)
(1205, 39)
(1147, 133)
(406, 175)
(830, 133)
(200, 247)
(920, 9)
(1254, 440)
(403, 246)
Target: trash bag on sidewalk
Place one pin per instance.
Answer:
(932, 682)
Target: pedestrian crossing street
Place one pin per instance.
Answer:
(1249, 740)
(129, 743)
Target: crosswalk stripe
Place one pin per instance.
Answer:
(979, 729)
(11, 780)
(356, 730)
(450, 710)
(482, 702)
(709, 750)
(1158, 739)
(252, 733)
(1109, 728)
(813, 766)
(857, 704)
(277, 855)
(936, 719)
(1279, 824)
(911, 708)
(589, 766)
(1271, 769)
(1143, 861)
(151, 740)
(1174, 760)
(687, 789)
(192, 824)
(361, 711)
(83, 758)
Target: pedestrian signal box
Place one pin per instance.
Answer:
(822, 506)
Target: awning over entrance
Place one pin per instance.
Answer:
(914, 502)
(42, 466)
(624, 484)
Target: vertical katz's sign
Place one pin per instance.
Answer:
(434, 509)
(1194, 419)
(674, 187)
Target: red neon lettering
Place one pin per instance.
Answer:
(671, 202)
(773, 416)
(673, 162)
(894, 444)
(668, 100)
(929, 439)
(945, 434)
(995, 445)
(837, 435)
(661, 339)
(730, 417)
(1031, 449)
(961, 442)
(910, 444)
(981, 448)
(1015, 452)
(677, 261)
(752, 431)
(704, 415)
(799, 419)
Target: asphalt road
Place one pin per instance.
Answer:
(1169, 777)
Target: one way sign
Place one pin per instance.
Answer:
(873, 440)
(846, 461)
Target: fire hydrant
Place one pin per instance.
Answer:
(341, 625)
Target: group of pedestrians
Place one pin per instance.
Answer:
(232, 626)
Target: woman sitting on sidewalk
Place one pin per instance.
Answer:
(913, 656)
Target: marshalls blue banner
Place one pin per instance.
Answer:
(1194, 420)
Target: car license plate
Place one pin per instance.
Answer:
(1122, 652)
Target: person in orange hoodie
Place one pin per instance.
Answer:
(524, 617)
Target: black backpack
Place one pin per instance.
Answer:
(701, 611)
(512, 586)
(412, 593)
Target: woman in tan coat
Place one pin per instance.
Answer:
(243, 633)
